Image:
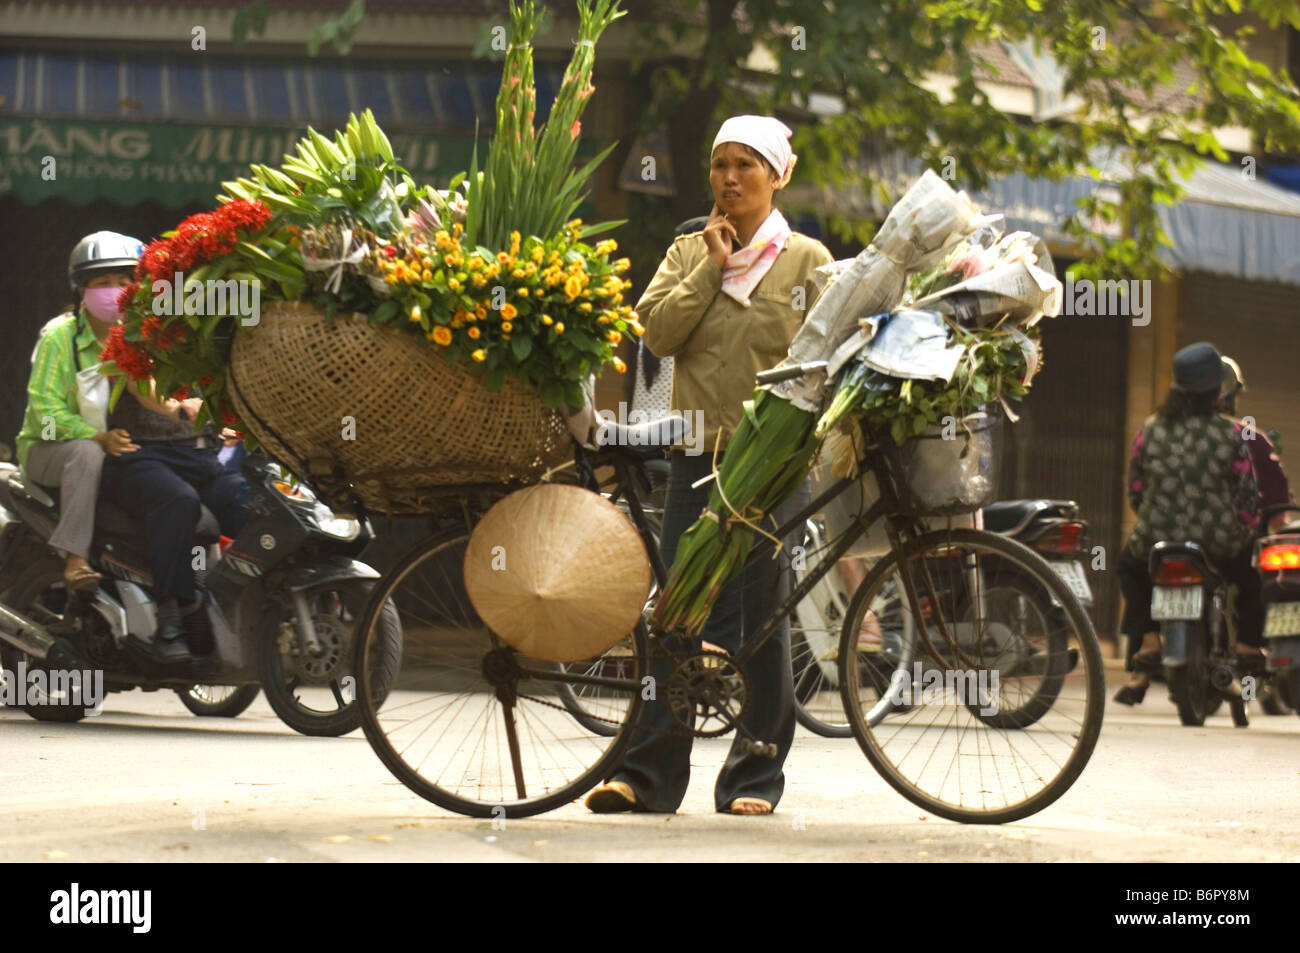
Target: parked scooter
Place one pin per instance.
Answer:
(279, 606)
(1277, 556)
(1051, 527)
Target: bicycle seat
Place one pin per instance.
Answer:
(648, 439)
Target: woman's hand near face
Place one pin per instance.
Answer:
(115, 442)
(718, 236)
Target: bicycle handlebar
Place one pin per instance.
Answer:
(789, 371)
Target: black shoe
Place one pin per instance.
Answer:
(168, 644)
(162, 651)
(1128, 695)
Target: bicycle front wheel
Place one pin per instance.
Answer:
(471, 724)
(992, 712)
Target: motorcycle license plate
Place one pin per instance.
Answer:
(1283, 619)
(1073, 576)
(1173, 603)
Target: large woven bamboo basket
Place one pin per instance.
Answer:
(373, 413)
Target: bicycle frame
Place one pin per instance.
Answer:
(900, 531)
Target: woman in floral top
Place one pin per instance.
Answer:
(1190, 480)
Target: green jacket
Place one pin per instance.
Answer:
(52, 388)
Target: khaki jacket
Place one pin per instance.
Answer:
(718, 345)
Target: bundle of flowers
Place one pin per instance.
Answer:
(493, 270)
(991, 351)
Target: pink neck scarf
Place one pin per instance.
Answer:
(745, 268)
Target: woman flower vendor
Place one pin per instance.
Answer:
(724, 315)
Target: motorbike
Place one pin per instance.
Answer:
(1050, 527)
(1198, 646)
(278, 608)
(1277, 558)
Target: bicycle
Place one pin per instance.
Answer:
(476, 728)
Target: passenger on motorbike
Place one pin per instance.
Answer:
(1190, 480)
(58, 445)
(163, 483)
(1273, 486)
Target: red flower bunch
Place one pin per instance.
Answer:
(133, 360)
(159, 337)
(201, 238)
(127, 296)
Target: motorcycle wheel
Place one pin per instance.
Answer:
(317, 696)
(40, 594)
(1189, 684)
(218, 701)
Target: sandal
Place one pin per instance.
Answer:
(82, 579)
(767, 805)
(612, 797)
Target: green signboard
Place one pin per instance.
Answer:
(80, 160)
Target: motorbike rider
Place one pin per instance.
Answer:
(1273, 486)
(57, 445)
(1191, 479)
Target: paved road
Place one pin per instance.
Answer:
(149, 781)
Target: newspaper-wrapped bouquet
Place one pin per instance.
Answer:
(968, 338)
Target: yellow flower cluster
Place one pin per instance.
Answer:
(474, 305)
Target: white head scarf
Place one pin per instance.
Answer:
(768, 136)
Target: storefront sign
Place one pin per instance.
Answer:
(177, 165)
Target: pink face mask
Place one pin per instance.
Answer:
(102, 304)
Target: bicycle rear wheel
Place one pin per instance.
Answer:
(470, 724)
(992, 712)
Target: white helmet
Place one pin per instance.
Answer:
(101, 253)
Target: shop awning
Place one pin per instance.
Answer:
(132, 127)
(1226, 223)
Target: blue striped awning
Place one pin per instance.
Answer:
(433, 96)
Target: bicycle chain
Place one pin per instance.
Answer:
(540, 701)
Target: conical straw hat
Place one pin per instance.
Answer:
(558, 572)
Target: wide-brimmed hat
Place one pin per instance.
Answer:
(1198, 367)
(557, 572)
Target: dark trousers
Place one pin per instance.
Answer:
(163, 485)
(1135, 584)
(658, 763)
